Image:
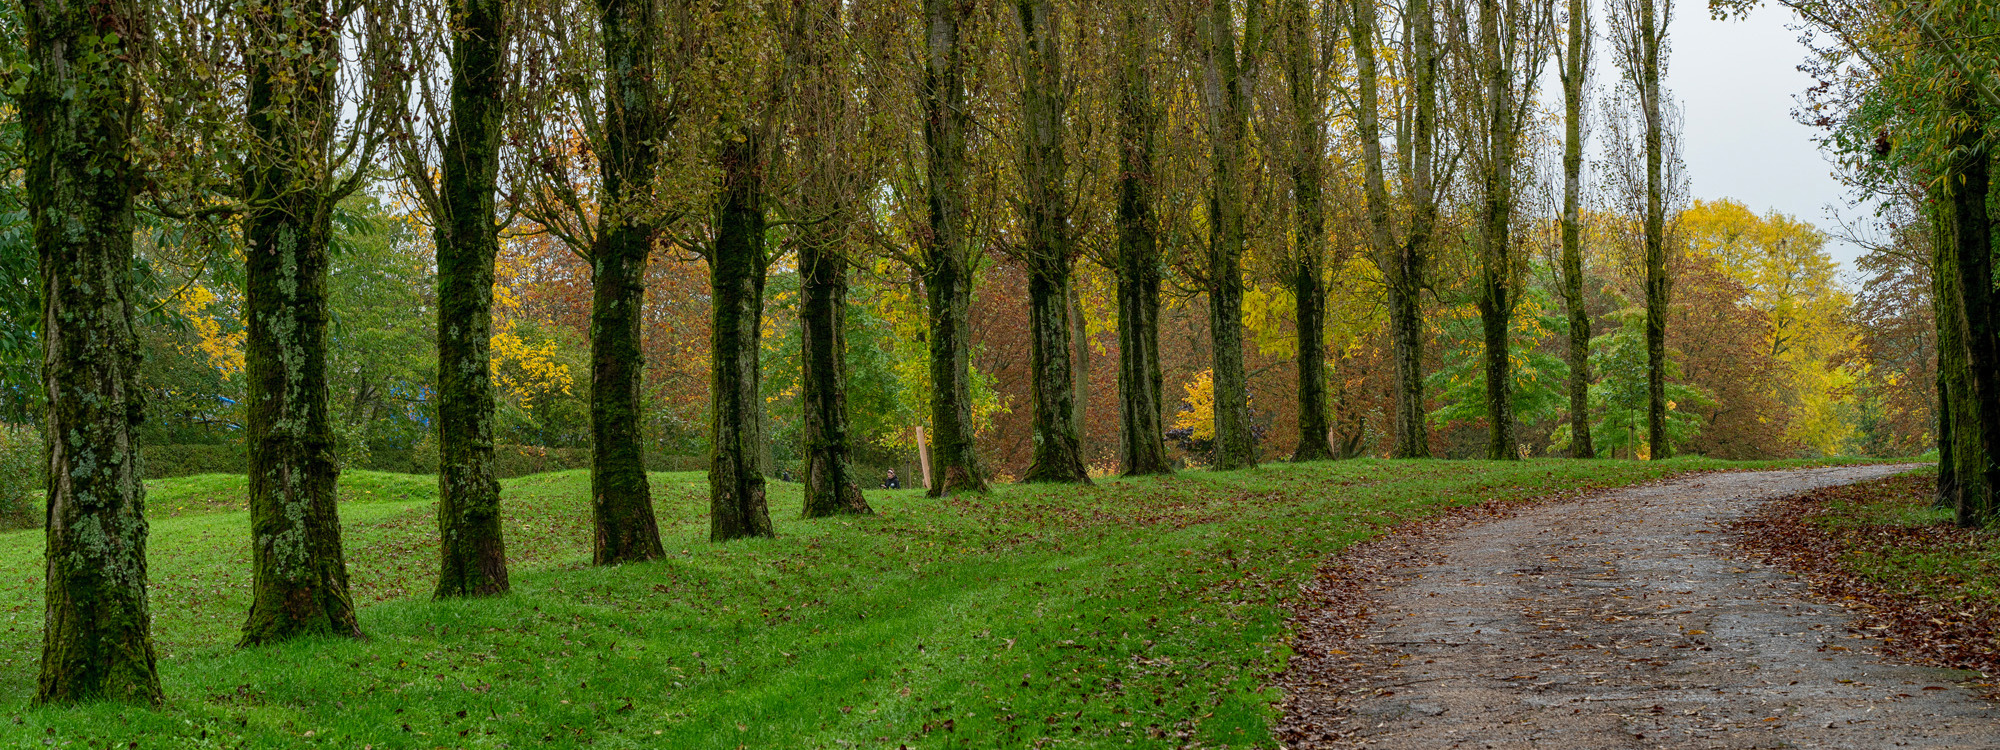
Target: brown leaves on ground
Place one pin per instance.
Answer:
(1905, 582)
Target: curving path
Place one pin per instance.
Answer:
(1622, 621)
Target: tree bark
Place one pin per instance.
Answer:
(1967, 181)
(1658, 444)
(78, 111)
(830, 485)
(1496, 255)
(1575, 72)
(1960, 457)
(621, 499)
(947, 263)
(473, 547)
(1142, 444)
(737, 507)
(1309, 244)
(1049, 251)
(1227, 99)
(300, 585)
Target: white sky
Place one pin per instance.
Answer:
(1737, 82)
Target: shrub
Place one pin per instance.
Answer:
(188, 459)
(22, 491)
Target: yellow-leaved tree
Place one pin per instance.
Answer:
(1783, 264)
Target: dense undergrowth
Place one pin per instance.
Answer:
(1145, 611)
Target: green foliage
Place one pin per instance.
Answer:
(22, 484)
(1539, 376)
(1618, 398)
(1096, 615)
(186, 459)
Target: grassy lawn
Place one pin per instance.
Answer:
(1144, 612)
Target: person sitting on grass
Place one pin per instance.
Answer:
(892, 483)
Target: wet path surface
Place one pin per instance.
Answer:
(1623, 621)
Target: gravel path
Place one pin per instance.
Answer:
(1621, 621)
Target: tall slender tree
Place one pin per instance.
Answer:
(469, 526)
(1138, 265)
(824, 127)
(946, 249)
(1642, 42)
(736, 265)
(1507, 56)
(1573, 68)
(78, 106)
(1229, 69)
(1307, 167)
(628, 226)
(1048, 249)
(293, 177)
(1404, 260)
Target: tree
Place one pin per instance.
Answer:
(472, 545)
(826, 121)
(628, 227)
(1403, 261)
(1139, 263)
(1573, 65)
(79, 103)
(1048, 250)
(946, 250)
(1506, 58)
(1641, 42)
(292, 181)
(1228, 79)
(1307, 165)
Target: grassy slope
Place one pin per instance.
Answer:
(1143, 610)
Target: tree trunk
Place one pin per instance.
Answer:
(77, 111)
(1142, 444)
(1658, 444)
(830, 486)
(1966, 179)
(1227, 89)
(1402, 263)
(621, 500)
(947, 263)
(1079, 338)
(1960, 458)
(1575, 72)
(1309, 244)
(469, 525)
(1496, 256)
(736, 505)
(300, 583)
(1049, 251)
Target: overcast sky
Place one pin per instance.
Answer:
(1738, 82)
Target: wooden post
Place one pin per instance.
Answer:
(924, 456)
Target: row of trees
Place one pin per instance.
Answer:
(829, 139)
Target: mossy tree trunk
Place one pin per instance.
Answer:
(1308, 159)
(621, 499)
(1226, 98)
(474, 551)
(1049, 251)
(1651, 41)
(824, 118)
(1961, 456)
(947, 251)
(1574, 71)
(300, 585)
(737, 507)
(1142, 444)
(1500, 35)
(78, 111)
(1967, 182)
(1402, 262)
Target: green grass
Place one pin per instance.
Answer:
(1145, 611)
